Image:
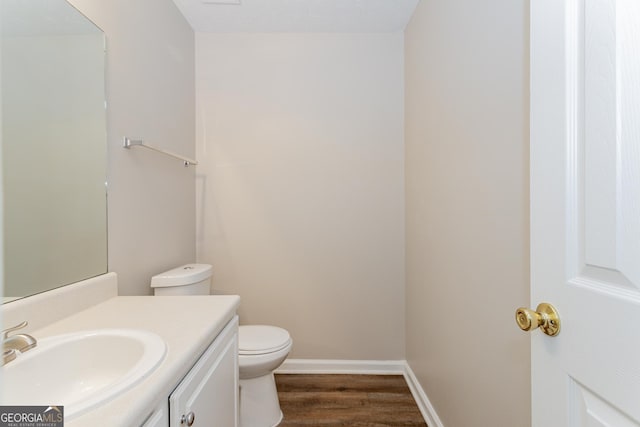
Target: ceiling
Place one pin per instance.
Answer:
(312, 16)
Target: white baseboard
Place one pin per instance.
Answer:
(426, 408)
(330, 366)
(367, 367)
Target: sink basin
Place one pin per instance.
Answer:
(81, 370)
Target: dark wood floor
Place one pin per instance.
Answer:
(347, 400)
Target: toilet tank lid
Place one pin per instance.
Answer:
(185, 275)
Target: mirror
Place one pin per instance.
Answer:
(54, 153)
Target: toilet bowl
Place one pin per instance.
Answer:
(261, 348)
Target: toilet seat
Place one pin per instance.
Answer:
(261, 339)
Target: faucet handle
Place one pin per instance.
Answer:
(5, 333)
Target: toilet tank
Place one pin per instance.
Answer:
(190, 279)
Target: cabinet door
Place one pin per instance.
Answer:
(209, 393)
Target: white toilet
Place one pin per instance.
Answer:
(262, 349)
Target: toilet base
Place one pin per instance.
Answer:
(259, 404)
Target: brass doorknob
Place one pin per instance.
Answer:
(545, 316)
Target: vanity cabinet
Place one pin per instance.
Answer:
(208, 394)
(159, 418)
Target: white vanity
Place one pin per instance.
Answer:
(208, 392)
(197, 379)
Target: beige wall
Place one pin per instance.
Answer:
(300, 189)
(151, 95)
(467, 208)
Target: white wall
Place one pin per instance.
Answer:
(300, 190)
(467, 208)
(151, 95)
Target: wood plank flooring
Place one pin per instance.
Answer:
(347, 400)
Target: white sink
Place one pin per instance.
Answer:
(81, 370)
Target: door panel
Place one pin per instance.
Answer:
(610, 144)
(585, 210)
(589, 410)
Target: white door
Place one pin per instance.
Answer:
(585, 210)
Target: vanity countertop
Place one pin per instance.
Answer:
(188, 324)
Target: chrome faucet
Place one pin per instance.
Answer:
(14, 343)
